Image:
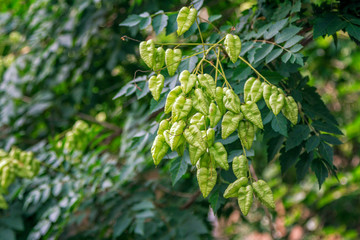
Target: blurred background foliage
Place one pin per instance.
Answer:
(61, 65)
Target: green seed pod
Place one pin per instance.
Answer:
(232, 101)
(267, 90)
(181, 146)
(195, 153)
(208, 83)
(214, 114)
(240, 166)
(247, 88)
(200, 102)
(185, 19)
(172, 60)
(176, 132)
(156, 85)
(205, 162)
(159, 59)
(208, 136)
(181, 108)
(207, 180)
(187, 81)
(219, 99)
(193, 137)
(256, 91)
(166, 135)
(230, 123)
(199, 120)
(159, 149)
(276, 102)
(263, 193)
(233, 188)
(232, 46)
(172, 96)
(245, 199)
(290, 110)
(163, 125)
(246, 134)
(219, 155)
(252, 113)
(147, 52)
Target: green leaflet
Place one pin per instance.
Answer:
(173, 94)
(195, 153)
(246, 134)
(172, 60)
(187, 81)
(185, 19)
(219, 99)
(276, 102)
(181, 108)
(147, 52)
(214, 114)
(193, 136)
(159, 149)
(232, 46)
(176, 132)
(159, 59)
(252, 113)
(209, 136)
(290, 110)
(230, 123)
(199, 120)
(245, 199)
(156, 85)
(164, 125)
(247, 88)
(207, 180)
(208, 83)
(200, 102)
(263, 193)
(219, 155)
(240, 166)
(232, 101)
(233, 188)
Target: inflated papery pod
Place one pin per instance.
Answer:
(206, 174)
(172, 60)
(231, 101)
(209, 136)
(187, 81)
(233, 188)
(214, 114)
(253, 90)
(232, 46)
(147, 52)
(276, 102)
(230, 123)
(199, 120)
(185, 19)
(246, 134)
(245, 199)
(181, 108)
(263, 193)
(195, 154)
(208, 84)
(240, 166)
(219, 155)
(267, 91)
(172, 96)
(252, 113)
(219, 99)
(159, 149)
(194, 137)
(176, 133)
(156, 85)
(163, 125)
(290, 110)
(159, 59)
(200, 101)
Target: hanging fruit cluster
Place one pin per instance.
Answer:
(14, 164)
(199, 104)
